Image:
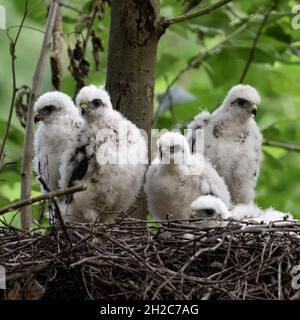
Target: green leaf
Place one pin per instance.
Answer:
(272, 161)
(164, 122)
(271, 132)
(278, 33)
(67, 19)
(87, 6)
(166, 63)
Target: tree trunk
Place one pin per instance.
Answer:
(131, 63)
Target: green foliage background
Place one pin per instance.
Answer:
(275, 72)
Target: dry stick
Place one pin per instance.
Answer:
(188, 262)
(262, 257)
(26, 174)
(17, 275)
(253, 49)
(13, 45)
(195, 13)
(280, 295)
(46, 196)
(59, 217)
(57, 212)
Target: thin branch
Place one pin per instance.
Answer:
(195, 13)
(282, 145)
(46, 196)
(86, 40)
(67, 6)
(255, 41)
(56, 50)
(13, 45)
(89, 29)
(234, 12)
(28, 141)
(25, 27)
(195, 61)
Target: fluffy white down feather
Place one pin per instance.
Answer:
(110, 187)
(252, 212)
(54, 132)
(172, 187)
(241, 212)
(212, 210)
(232, 141)
(210, 203)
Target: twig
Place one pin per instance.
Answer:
(282, 145)
(57, 211)
(280, 296)
(24, 27)
(86, 41)
(46, 196)
(255, 41)
(188, 262)
(195, 13)
(28, 140)
(58, 215)
(13, 45)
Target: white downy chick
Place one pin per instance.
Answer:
(59, 123)
(109, 157)
(176, 178)
(232, 141)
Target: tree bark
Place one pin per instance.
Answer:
(134, 34)
(56, 52)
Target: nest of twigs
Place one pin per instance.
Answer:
(129, 259)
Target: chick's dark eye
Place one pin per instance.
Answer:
(97, 103)
(49, 108)
(242, 102)
(209, 212)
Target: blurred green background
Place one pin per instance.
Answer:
(274, 71)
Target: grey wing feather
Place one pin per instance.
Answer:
(199, 122)
(80, 168)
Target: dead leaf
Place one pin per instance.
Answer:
(15, 293)
(34, 290)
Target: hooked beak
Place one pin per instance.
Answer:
(83, 107)
(86, 106)
(37, 118)
(254, 110)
